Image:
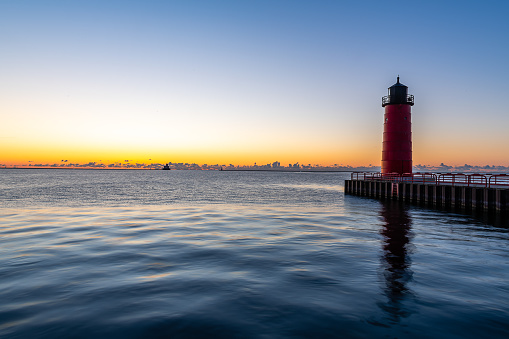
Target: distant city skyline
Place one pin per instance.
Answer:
(229, 81)
(275, 166)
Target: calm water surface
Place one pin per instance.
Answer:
(191, 254)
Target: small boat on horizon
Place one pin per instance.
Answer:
(166, 167)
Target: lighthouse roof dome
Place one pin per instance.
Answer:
(398, 84)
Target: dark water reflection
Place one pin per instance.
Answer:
(499, 220)
(396, 260)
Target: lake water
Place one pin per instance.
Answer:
(192, 254)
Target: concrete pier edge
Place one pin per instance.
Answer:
(465, 198)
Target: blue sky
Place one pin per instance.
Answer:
(251, 81)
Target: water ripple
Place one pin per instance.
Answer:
(247, 267)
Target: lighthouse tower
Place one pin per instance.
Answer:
(397, 139)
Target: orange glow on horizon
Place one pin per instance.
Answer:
(328, 149)
(353, 159)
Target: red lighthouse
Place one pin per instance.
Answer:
(397, 140)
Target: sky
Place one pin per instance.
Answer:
(250, 81)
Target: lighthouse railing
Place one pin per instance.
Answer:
(386, 100)
(452, 179)
(461, 179)
(477, 179)
(499, 181)
(424, 178)
(444, 179)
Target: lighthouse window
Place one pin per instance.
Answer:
(386, 119)
(405, 118)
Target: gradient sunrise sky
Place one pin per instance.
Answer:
(250, 81)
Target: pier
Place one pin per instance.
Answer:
(470, 192)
